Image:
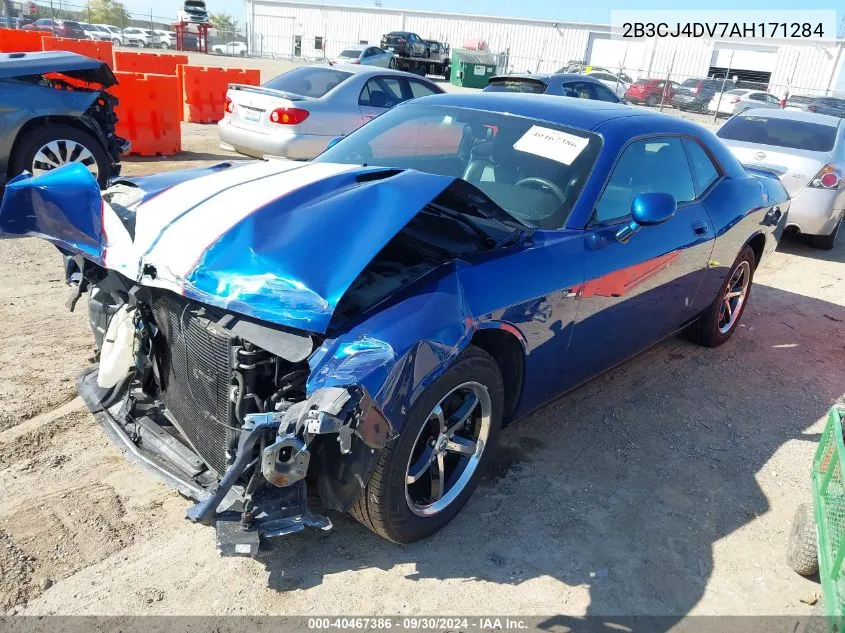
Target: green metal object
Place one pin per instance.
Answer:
(828, 486)
(471, 69)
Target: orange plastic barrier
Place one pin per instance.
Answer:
(159, 64)
(14, 41)
(148, 113)
(205, 88)
(101, 51)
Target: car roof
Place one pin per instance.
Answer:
(793, 115)
(548, 77)
(586, 114)
(357, 47)
(359, 69)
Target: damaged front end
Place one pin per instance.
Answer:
(231, 311)
(227, 422)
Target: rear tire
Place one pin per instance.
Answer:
(384, 505)
(712, 329)
(652, 100)
(825, 242)
(802, 548)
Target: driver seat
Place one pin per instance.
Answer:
(488, 164)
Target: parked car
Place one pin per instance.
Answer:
(798, 102)
(143, 38)
(50, 122)
(95, 32)
(695, 94)
(166, 39)
(807, 152)
(365, 55)
(298, 113)
(615, 82)
(195, 11)
(562, 84)
(741, 99)
(827, 105)
(405, 44)
(59, 28)
(116, 33)
(238, 49)
(365, 323)
(651, 92)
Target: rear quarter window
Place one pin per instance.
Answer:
(532, 86)
(793, 134)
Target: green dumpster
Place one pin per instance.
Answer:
(472, 69)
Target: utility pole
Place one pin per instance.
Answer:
(724, 81)
(668, 75)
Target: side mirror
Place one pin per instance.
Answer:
(334, 141)
(647, 209)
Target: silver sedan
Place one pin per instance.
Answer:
(365, 55)
(807, 152)
(298, 113)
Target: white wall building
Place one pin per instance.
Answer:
(287, 28)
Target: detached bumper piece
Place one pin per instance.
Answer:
(263, 492)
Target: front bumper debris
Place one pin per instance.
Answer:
(272, 447)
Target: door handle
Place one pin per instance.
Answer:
(699, 227)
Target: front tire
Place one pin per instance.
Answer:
(420, 483)
(46, 148)
(652, 100)
(722, 317)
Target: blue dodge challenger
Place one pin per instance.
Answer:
(361, 326)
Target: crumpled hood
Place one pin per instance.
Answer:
(66, 63)
(279, 241)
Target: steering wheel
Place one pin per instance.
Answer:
(534, 180)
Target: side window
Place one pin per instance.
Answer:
(381, 92)
(650, 165)
(704, 172)
(420, 89)
(756, 96)
(772, 99)
(578, 89)
(605, 94)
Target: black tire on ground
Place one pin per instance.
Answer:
(447, 72)
(142, 44)
(705, 331)
(801, 549)
(382, 505)
(824, 242)
(27, 146)
(116, 42)
(652, 100)
(165, 46)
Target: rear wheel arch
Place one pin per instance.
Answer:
(509, 353)
(757, 244)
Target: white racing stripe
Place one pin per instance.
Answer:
(180, 246)
(155, 214)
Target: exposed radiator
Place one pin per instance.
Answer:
(197, 370)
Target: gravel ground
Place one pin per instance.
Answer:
(665, 487)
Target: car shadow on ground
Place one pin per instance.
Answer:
(625, 485)
(185, 157)
(797, 245)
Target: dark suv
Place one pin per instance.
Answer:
(406, 44)
(695, 94)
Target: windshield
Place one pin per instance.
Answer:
(534, 170)
(533, 86)
(308, 81)
(814, 137)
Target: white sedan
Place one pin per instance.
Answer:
(616, 83)
(232, 48)
(741, 99)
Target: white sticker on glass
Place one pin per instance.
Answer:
(552, 144)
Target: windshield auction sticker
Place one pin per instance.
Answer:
(736, 25)
(552, 144)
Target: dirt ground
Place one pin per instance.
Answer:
(665, 487)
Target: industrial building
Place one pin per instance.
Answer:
(311, 31)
